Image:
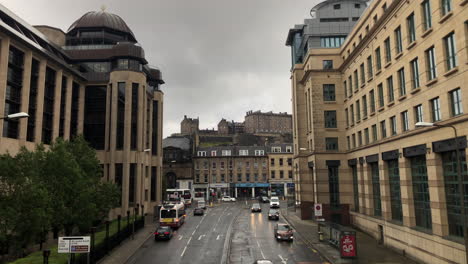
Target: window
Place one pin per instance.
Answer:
(372, 101)
(226, 152)
(364, 106)
(281, 161)
(449, 164)
(357, 6)
(13, 94)
(330, 119)
(358, 111)
(404, 121)
(422, 201)
(374, 133)
(366, 136)
(276, 149)
(370, 72)
(450, 51)
(345, 89)
(155, 128)
(395, 190)
(350, 82)
(415, 73)
(134, 116)
(427, 16)
(332, 41)
(355, 188)
(349, 142)
(378, 59)
(381, 95)
(331, 143)
(290, 175)
(289, 149)
(289, 161)
(374, 167)
(223, 177)
(354, 140)
(363, 74)
(272, 174)
(388, 50)
(446, 7)
(383, 129)
(272, 162)
(63, 100)
(411, 28)
(243, 152)
(48, 112)
(239, 177)
(334, 186)
(393, 124)
(352, 115)
(121, 115)
(347, 117)
(391, 94)
(131, 184)
(418, 113)
(398, 40)
(261, 152)
(94, 126)
(329, 92)
(327, 64)
(33, 101)
(375, 19)
(431, 64)
(384, 7)
(337, 6)
(213, 165)
(356, 80)
(401, 81)
(201, 153)
(359, 138)
(435, 109)
(456, 102)
(214, 153)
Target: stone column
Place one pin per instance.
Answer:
(40, 101)
(235, 192)
(68, 102)
(368, 206)
(362, 189)
(81, 109)
(57, 97)
(4, 52)
(253, 192)
(385, 191)
(23, 123)
(407, 201)
(435, 174)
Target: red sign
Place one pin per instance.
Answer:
(348, 246)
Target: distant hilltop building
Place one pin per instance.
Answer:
(270, 123)
(189, 126)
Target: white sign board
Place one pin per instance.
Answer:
(74, 244)
(318, 209)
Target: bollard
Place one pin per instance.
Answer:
(46, 255)
(320, 234)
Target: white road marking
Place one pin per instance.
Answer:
(217, 238)
(180, 237)
(183, 252)
(194, 231)
(190, 239)
(282, 259)
(201, 237)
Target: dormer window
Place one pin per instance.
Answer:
(226, 152)
(337, 6)
(213, 153)
(276, 149)
(201, 153)
(244, 152)
(357, 6)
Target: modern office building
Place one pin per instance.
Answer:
(92, 80)
(357, 148)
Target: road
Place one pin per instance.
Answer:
(205, 239)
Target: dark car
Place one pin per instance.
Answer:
(264, 199)
(163, 233)
(283, 232)
(256, 208)
(198, 211)
(273, 214)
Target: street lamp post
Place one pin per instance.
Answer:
(460, 179)
(14, 116)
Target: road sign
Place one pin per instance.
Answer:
(74, 244)
(318, 209)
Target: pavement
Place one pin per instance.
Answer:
(368, 249)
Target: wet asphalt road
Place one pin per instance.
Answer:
(205, 239)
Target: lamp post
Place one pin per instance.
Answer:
(15, 116)
(460, 179)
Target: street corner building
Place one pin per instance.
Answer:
(92, 80)
(363, 75)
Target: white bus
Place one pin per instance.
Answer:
(172, 214)
(184, 195)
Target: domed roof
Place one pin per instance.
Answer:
(101, 19)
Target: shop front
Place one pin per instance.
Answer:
(251, 190)
(277, 189)
(221, 189)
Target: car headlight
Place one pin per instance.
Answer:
(279, 236)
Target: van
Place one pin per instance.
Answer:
(201, 204)
(274, 202)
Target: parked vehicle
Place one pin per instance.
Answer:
(227, 199)
(198, 211)
(283, 232)
(256, 208)
(200, 204)
(273, 214)
(233, 199)
(274, 202)
(163, 233)
(263, 199)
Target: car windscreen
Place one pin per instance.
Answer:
(273, 211)
(284, 228)
(164, 229)
(168, 214)
(274, 199)
(256, 205)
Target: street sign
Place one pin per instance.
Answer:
(74, 244)
(318, 209)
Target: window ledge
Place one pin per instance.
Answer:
(372, 114)
(464, 2)
(364, 118)
(391, 103)
(378, 72)
(431, 82)
(447, 16)
(411, 45)
(345, 100)
(415, 90)
(359, 121)
(331, 128)
(329, 102)
(388, 64)
(401, 98)
(370, 79)
(452, 71)
(363, 84)
(398, 55)
(427, 32)
(381, 109)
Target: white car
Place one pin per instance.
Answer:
(274, 202)
(233, 199)
(226, 199)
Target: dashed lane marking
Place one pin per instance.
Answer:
(183, 252)
(313, 250)
(180, 237)
(217, 238)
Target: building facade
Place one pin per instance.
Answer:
(356, 106)
(267, 123)
(238, 171)
(177, 160)
(92, 80)
(280, 170)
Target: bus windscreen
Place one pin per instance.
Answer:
(168, 214)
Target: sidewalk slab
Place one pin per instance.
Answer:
(368, 249)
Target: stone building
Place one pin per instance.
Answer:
(356, 102)
(267, 123)
(92, 80)
(177, 160)
(189, 126)
(280, 169)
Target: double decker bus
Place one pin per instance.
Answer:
(180, 194)
(172, 214)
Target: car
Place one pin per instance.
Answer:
(256, 208)
(198, 211)
(226, 199)
(163, 233)
(233, 199)
(273, 214)
(264, 199)
(274, 202)
(201, 204)
(283, 232)
(263, 261)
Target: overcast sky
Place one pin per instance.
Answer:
(219, 58)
